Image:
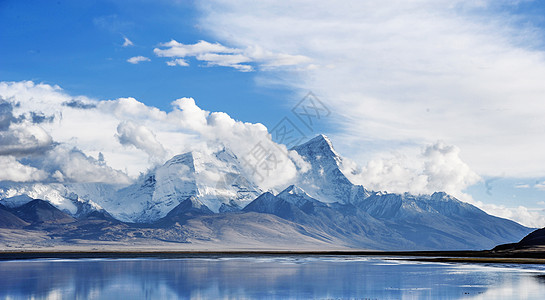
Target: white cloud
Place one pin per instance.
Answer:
(540, 186)
(520, 214)
(522, 186)
(445, 169)
(137, 59)
(177, 62)
(406, 74)
(400, 75)
(236, 61)
(28, 151)
(437, 168)
(215, 54)
(74, 166)
(217, 129)
(13, 170)
(176, 49)
(24, 138)
(86, 139)
(127, 42)
(270, 59)
(84, 129)
(19, 135)
(141, 137)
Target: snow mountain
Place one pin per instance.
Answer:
(216, 180)
(392, 221)
(325, 181)
(209, 196)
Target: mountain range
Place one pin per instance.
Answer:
(209, 199)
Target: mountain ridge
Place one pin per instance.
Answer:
(321, 204)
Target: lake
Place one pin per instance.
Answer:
(294, 277)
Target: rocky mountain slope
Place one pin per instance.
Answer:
(533, 242)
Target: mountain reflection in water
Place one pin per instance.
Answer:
(265, 277)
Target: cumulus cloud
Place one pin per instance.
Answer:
(127, 42)
(520, 214)
(19, 136)
(141, 137)
(217, 129)
(87, 136)
(28, 151)
(215, 54)
(445, 169)
(437, 168)
(137, 59)
(72, 165)
(32, 146)
(6, 116)
(13, 170)
(79, 104)
(24, 138)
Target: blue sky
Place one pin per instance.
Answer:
(78, 45)
(402, 80)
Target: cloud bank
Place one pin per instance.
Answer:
(85, 140)
(28, 152)
(110, 137)
(437, 168)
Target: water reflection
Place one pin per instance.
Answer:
(264, 277)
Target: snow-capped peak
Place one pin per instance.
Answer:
(320, 145)
(325, 181)
(293, 190)
(296, 195)
(194, 202)
(212, 178)
(184, 159)
(321, 138)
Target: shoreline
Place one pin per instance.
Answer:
(486, 256)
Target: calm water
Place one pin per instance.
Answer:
(266, 277)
